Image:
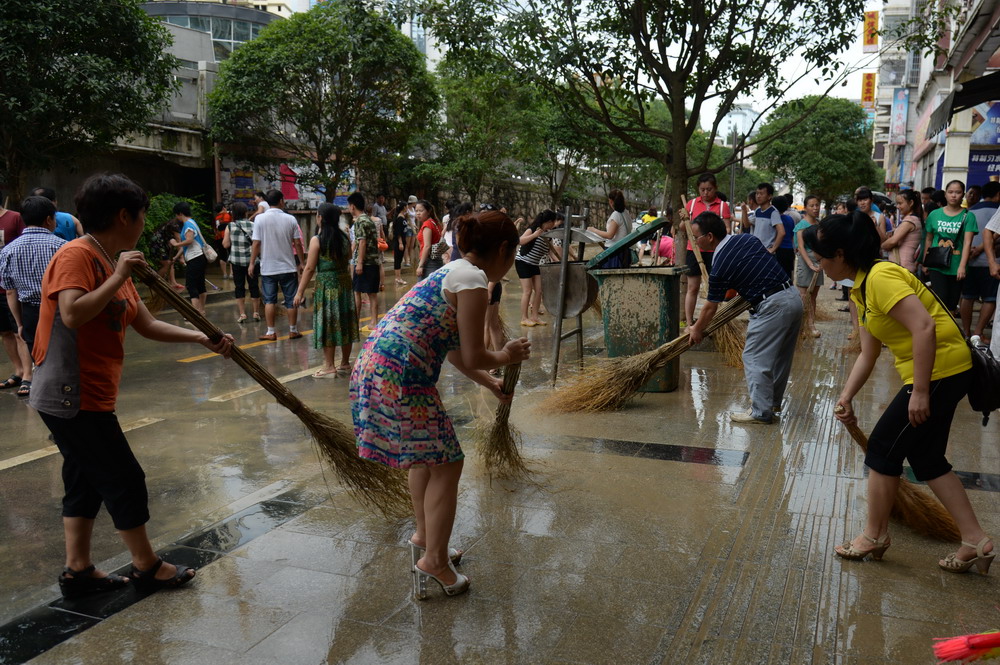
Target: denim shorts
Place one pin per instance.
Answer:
(289, 283)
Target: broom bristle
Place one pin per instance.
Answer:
(967, 648)
(917, 509)
(853, 344)
(730, 340)
(612, 382)
(373, 484)
(500, 442)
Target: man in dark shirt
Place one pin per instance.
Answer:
(742, 263)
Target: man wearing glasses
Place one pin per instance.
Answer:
(742, 263)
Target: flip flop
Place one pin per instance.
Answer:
(13, 382)
(528, 324)
(325, 374)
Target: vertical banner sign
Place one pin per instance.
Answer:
(897, 123)
(868, 90)
(870, 36)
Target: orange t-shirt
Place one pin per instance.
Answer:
(100, 342)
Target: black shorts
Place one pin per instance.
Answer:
(497, 292)
(194, 276)
(894, 439)
(526, 270)
(7, 322)
(99, 467)
(786, 259)
(368, 281)
(692, 263)
(979, 285)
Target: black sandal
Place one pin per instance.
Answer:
(25, 389)
(77, 583)
(146, 581)
(12, 382)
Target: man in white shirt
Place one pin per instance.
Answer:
(276, 239)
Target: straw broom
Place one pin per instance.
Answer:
(967, 648)
(918, 510)
(610, 384)
(499, 441)
(373, 484)
(804, 333)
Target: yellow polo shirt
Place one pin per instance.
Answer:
(889, 283)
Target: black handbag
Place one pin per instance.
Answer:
(939, 257)
(984, 382)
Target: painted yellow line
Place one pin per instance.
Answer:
(242, 392)
(206, 356)
(52, 450)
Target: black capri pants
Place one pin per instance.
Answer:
(397, 254)
(947, 288)
(894, 439)
(194, 276)
(99, 467)
(242, 281)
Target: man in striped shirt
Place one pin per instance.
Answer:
(742, 263)
(22, 266)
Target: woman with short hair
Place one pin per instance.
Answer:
(88, 302)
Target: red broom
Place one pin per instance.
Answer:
(968, 648)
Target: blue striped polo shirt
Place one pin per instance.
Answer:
(742, 263)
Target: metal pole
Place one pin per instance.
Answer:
(561, 302)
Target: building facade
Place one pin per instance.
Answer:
(938, 114)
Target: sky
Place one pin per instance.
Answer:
(853, 57)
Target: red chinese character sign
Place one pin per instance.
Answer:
(870, 36)
(868, 90)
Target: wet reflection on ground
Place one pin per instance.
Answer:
(659, 533)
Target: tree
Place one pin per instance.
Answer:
(335, 87)
(75, 78)
(828, 151)
(485, 114)
(607, 65)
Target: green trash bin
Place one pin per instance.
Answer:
(640, 308)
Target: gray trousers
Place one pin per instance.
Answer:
(767, 356)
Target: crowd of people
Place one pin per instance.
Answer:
(70, 299)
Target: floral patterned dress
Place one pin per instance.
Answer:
(335, 320)
(399, 419)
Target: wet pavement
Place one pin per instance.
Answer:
(661, 533)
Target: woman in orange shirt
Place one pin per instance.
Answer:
(88, 301)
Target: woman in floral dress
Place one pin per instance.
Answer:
(335, 320)
(399, 419)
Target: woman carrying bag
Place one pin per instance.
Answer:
(950, 231)
(935, 365)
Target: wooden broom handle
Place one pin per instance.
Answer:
(149, 277)
(691, 239)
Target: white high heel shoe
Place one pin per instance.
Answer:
(455, 556)
(420, 578)
(981, 561)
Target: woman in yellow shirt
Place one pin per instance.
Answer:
(896, 309)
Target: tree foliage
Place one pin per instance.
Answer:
(333, 87)
(828, 151)
(74, 78)
(607, 63)
(487, 117)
